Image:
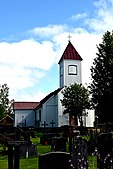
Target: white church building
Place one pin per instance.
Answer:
(49, 111)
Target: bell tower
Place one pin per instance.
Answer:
(70, 66)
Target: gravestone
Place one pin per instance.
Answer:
(54, 160)
(28, 150)
(58, 144)
(105, 146)
(47, 138)
(79, 155)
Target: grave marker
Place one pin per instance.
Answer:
(79, 153)
(58, 144)
(54, 160)
(105, 151)
(52, 123)
(44, 124)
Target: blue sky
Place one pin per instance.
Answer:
(34, 34)
(22, 15)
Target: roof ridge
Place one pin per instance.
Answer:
(49, 96)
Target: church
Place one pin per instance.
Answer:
(49, 111)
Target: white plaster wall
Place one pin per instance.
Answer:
(62, 119)
(61, 75)
(50, 111)
(70, 79)
(22, 115)
(90, 118)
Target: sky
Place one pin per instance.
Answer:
(34, 34)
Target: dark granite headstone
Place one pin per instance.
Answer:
(105, 151)
(79, 156)
(105, 143)
(58, 144)
(54, 160)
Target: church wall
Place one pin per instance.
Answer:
(24, 116)
(38, 116)
(61, 74)
(90, 118)
(62, 119)
(50, 111)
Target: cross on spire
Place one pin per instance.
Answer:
(69, 37)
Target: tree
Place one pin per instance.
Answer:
(102, 79)
(76, 100)
(5, 103)
(1, 111)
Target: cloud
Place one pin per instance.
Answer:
(49, 31)
(23, 64)
(103, 16)
(79, 16)
(18, 77)
(28, 53)
(28, 96)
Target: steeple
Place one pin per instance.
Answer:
(70, 66)
(70, 53)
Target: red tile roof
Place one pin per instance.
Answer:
(70, 53)
(25, 105)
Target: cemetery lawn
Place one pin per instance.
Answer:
(92, 162)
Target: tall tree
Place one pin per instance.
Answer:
(1, 111)
(6, 104)
(76, 100)
(102, 79)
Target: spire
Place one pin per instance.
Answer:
(70, 53)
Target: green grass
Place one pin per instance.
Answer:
(44, 149)
(36, 140)
(4, 162)
(92, 162)
(30, 163)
